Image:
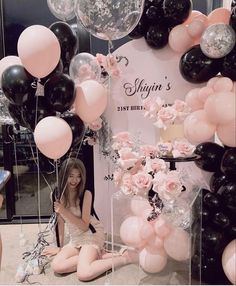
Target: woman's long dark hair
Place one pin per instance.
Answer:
(65, 170)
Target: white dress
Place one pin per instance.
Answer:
(79, 237)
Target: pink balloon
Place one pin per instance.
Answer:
(220, 107)
(161, 228)
(90, 101)
(130, 232)
(177, 244)
(211, 82)
(7, 62)
(53, 137)
(227, 133)
(192, 99)
(139, 204)
(197, 128)
(152, 263)
(229, 261)
(179, 39)
(192, 16)
(146, 231)
(154, 244)
(223, 84)
(196, 29)
(204, 93)
(219, 15)
(39, 50)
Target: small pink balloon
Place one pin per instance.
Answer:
(139, 204)
(53, 137)
(192, 99)
(179, 39)
(177, 244)
(7, 62)
(204, 93)
(146, 230)
(223, 84)
(220, 107)
(130, 232)
(192, 16)
(161, 228)
(154, 244)
(227, 133)
(219, 15)
(211, 82)
(203, 18)
(197, 128)
(229, 261)
(196, 29)
(90, 101)
(39, 50)
(152, 263)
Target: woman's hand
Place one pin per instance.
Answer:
(51, 250)
(59, 208)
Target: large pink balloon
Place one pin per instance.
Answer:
(7, 62)
(39, 50)
(229, 261)
(130, 231)
(152, 262)
(53, 137)
(219, 15)
(220, 107)
(90, 101)
(161, 228)
(179, 39)
(227, 133)
(177, 244)
(139, 204)
(192, 99)
(197, 129)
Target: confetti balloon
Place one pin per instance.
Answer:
(218, 40)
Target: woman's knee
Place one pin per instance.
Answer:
(84, 274)
(57, 266)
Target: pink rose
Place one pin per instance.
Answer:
(128, 158)
(96, 125)
(143, 181)
(117, 175)
(148, 150)
(166, 115)
(182, 109)
(155, 165)
(122, 139)
(182, 148)
(90, 141)
(127, 186)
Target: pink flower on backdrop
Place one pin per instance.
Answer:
(167, 185)
(90, 141)
(166, 116)
(109, 63)
(128, 158)
(127, 186)
(152, 106)
(164, 148)
(182, 110)
(155, 165)
(148, 150)
(96, 125)
(182, 148)
(142, 181)
(122, 139)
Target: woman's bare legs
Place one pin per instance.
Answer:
(90, 267)
(66, 260)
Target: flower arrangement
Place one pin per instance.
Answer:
(164, 114)
(140, 169)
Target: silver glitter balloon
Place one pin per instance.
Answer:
(217, 40)
(62, 9)
(109, 19)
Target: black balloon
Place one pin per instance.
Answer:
(157, 36)
(233, 4)
(17, 84)
(155, 15)
(209, 156)
(213, 241)
(35, 109)
(221, 220)
(232, 20)
(60, 92)
(140, 30)
(77, 127)
(228, 195)
(176, 12)
(211, 201)
(67, 39)
(229, 65)
(58, 70)
(156, 3)
(217, 180)
(228, 163)
(196, 67)
(16, 113)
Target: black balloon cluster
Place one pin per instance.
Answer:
(218, 213)
(158, 18)
(27, 108)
